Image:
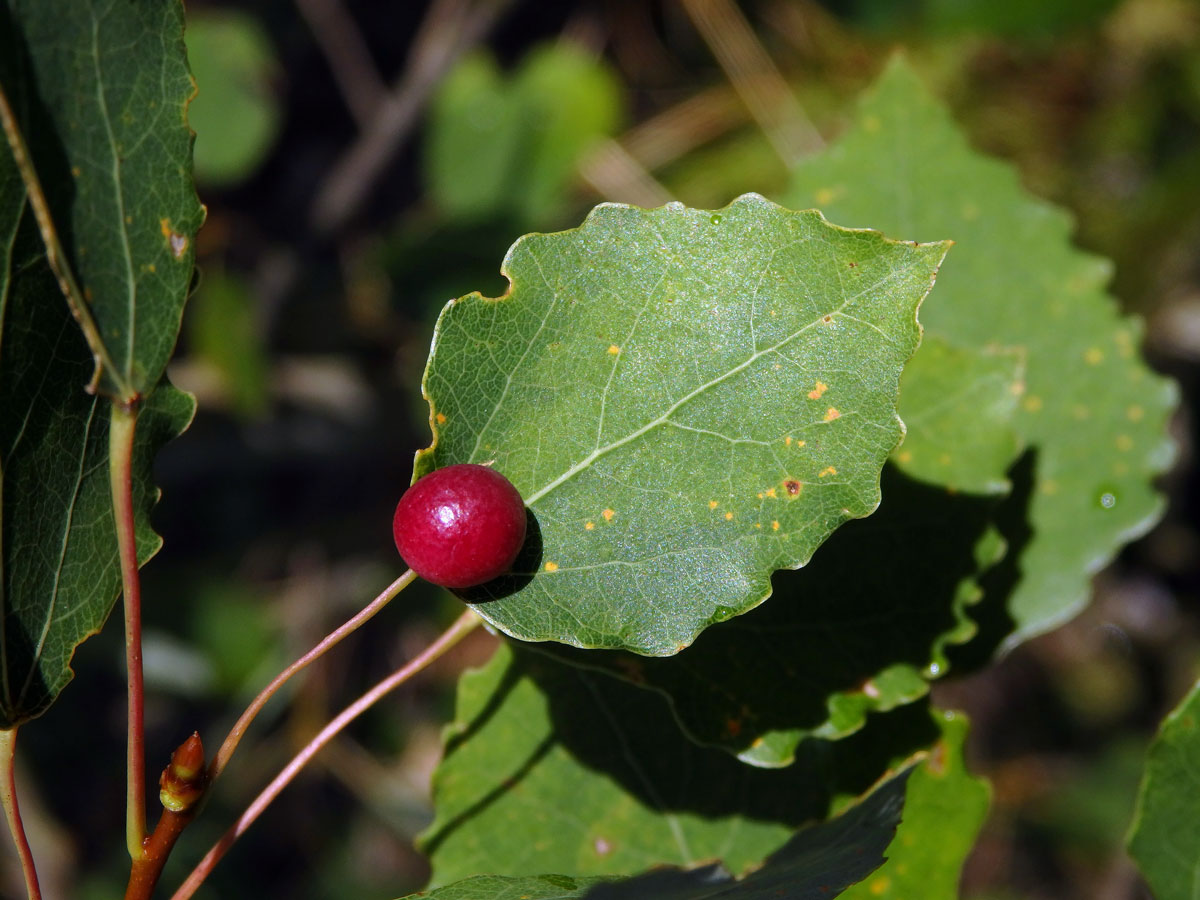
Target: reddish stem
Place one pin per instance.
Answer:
(463, 626)
(334, 637)
(120, 462)
(8, 796)
(181, 786)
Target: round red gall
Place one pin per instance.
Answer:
(460, 526)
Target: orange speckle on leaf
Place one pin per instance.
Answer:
(614, 349)
(831, 414)
(771, 492)
(824, 196)
(728, 516)
(551, 567)
(905, 456)
(787, 441)
(820, 388)
(589, 525)
(608, 514)
(775, 525)
(441, 418)
(828, 470)
(76, 171)
(801, 443)
(880, 886)
(712, 504)
(760, 495)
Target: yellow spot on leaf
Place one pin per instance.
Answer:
(905, 456)
(551, 567)
(881, 886)
(824, 196)
(1017, 388)
(970, 212)
(1124, 442)
(441, 418)
(589, 525)
(775, 525)
(828, 470)
(608, 514)
(1079, 411)
(76, 171)
(831, 414)
(1050, 487)
(1094, 356)
(758, 524)
(872, 124)
(614, 349)
(787, 441)
(1135, 413)
(712, 504)
(944, 459)
(1033, 403)
(820, 388)
(728, 516)
(760, 495)
(801, 443)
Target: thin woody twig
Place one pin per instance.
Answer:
(450, 28)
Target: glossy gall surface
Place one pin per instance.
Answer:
(460, 526)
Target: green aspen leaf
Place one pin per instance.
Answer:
(817, 863)
(1163, 840)
(958, 405)
(1092, 413)
(687, 400)
(863, 628)
(550, 768)
(944, 809)
(100, 92)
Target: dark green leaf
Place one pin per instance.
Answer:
(818, 863)
(860, 629)
(100, 92)
(687, 400)
(550, 768)
(943, 812)
(1164, 839)
(1091, 411)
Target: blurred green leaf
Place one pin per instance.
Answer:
(511, 146)
(224, 332)
(235, 112)
(817, 863)
(1093, 413)
(474, 136)
(687, 400)
(1164, 839)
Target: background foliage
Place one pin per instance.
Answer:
(326, 258)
